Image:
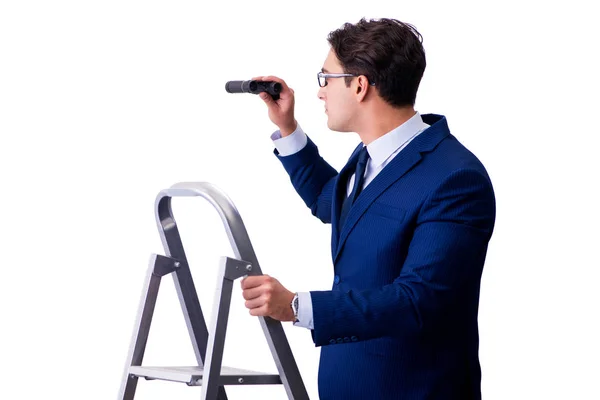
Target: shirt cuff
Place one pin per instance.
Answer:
(305, 311)
(290, 144)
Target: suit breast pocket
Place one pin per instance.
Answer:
(387, 211)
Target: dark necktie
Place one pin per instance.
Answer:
(359, 178)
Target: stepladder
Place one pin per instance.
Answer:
(208, 341)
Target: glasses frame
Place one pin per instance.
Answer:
(324, 75)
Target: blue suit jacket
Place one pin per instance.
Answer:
(400, 321)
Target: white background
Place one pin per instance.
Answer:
(105, 103)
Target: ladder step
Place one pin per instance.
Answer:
(193, 375)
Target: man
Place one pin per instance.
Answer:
(412, 213)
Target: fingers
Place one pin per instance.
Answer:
(249, 294)
(266, 98)
(268, 78)
(257, 302)
(262, 311)
(273, 78)
(250, 282)
(266, 297)
(258, 287)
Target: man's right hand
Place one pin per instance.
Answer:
(281, 112)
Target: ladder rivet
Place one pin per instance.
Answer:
(241, 380)
(177, 264)
(248, 267)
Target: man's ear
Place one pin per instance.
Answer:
(362, 88)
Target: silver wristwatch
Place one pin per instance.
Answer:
(294, 306)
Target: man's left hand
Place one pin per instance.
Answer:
(266, 297)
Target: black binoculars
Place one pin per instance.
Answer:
(254, 87)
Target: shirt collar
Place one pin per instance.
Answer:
(383, 147)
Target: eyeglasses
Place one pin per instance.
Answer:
(322, 78)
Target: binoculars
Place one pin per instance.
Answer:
(254, 87)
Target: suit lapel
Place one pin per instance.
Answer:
(339, 191)
(390, 174)
(398, 167)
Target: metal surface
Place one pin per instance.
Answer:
(141, 328)
(230, 270)
(193, 375)
(208, 349)
(242, 248)
(165, 265)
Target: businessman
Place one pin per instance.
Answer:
(411, 215)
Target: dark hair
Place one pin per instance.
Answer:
(388, 52)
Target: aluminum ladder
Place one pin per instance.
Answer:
(208, 343)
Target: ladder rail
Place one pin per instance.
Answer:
(230, 270)
(140, 330)
(175, 262)
(243, 250)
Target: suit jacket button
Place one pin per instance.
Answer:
(354, 339)
(340, 340)
(336, 279)
(332, 341)
(346, 339)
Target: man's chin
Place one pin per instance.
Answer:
(332, 126)
(336, 128)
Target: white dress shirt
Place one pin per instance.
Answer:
(381, 152)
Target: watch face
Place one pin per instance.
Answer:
(295, 305)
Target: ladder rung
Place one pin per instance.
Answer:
(193, 375)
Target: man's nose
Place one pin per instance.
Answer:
(321, 93)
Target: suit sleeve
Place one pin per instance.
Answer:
(312, 177)
(444, 261)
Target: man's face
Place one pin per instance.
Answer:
(339, 102)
